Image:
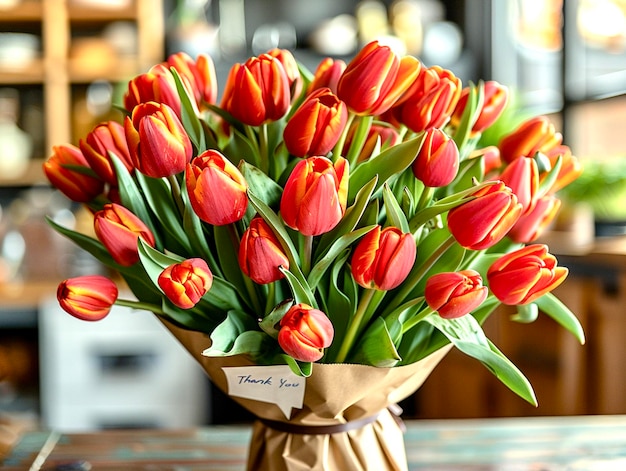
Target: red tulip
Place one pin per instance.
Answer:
(257, 91)
(316, 126)
(571, 168)
(305, 332)
(119, 231)
(327, 75)
(533, 135)
(455, 294)
(156, 85)
(158, 143)
(88, 298)
(522, 276)
(216, 188)
(291, 69)
(485, 220)
(106, 138)
(532, 224)
(437, 162)
(431, 100)
(315, 195)
(522, 177)
(375, 79)
(260, 253)
(491, 158)
(186, 282)
(383, 258)
(198, 75)
(495, 98)
(75, 184)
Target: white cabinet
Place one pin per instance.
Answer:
(125, 371)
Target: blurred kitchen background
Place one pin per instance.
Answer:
(63, 67)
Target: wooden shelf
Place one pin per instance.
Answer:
(31, 74)
(24, 11)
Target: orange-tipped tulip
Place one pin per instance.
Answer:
(522, 177)
(257, 91)
(522, 276)
(375, 79)
(532, 224)
(315, 195)
(437, 162)
(156, 85)
(305, 332)
(495, 98)
(260, 253)
(104, 139)
(383, 258)
(455, 294)
(198, 75)
(291, 69)
(327, 75)
(430, 101)
(88, 298)
(534, 135)
(119, 231)
(76, 185)
(158, 143)
(316, 126)
(186, 282)
(483, 221)
(571, 167)
(216, 188)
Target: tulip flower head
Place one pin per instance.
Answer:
(198, 75)
(158, 143)
(437, 162)
(534, 135)
(76, 185)
(186, 282)
(257, 91)
(315, 195)
(105, 139)
(305, 332)
(89, 298)
(216, 188)
(375, 79)
(383, 258)
(260, 253)
(522, 276)
(455, 294)
(327, 75)
(316, 126)
(483, 221)
(522, 177)
(495, 98)
(119, 231)
(157, 85)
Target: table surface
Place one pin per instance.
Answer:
(586, 443)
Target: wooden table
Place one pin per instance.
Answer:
(513, 444)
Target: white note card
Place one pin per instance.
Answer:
(275, 384)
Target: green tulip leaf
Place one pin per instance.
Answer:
(301, 292)
(299, 368)
(188, 112)
(266, 189)
(392, 161)
(550, 178)
(395, 216)
(351, 218)
(376, 347)
(332, 253)
(470, 114)
(268, 323)
(227, 255)
(466, 334)
(238, 334)
(550, 305)
(199, 320)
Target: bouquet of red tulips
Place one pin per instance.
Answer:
(355, 214)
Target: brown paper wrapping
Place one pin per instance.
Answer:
(335, 394)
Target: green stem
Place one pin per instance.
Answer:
(338, 149)
(252, 137)
(415, 277)
(306, 254)
(138, 305)
(354, 326)
(263, 146)
(176, 193)
(359, 138)
(425, 197)
(413, 321)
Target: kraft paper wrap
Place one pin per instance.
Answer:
(334, 394)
